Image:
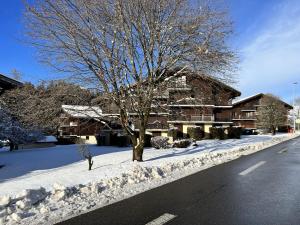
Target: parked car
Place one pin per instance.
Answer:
(249, 132)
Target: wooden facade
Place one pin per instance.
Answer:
(244, 111)
(187, 100)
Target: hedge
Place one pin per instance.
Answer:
(234, 132)
(217, 133)
(195, 133)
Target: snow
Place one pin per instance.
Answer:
(237, 101)
(79, 111)
(47, 139)
(44, 186)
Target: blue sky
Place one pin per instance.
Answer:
(267, 37)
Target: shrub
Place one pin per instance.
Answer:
(100, 140)
(234, 132)
(173, 132)
(196, 133)
(283, 129)
(184, 143)
(122, 140)
(66, 141)
(247, 132)
(159, 142)
(148, 140)
(217, 133)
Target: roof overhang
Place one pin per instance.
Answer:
(7, 83)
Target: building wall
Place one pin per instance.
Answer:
(195, 90)
(244, 114)
(89, 139)
(79, 127)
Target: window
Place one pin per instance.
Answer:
(87, 137)
(249, 114)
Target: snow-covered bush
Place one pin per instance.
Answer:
(173, 132)
(12, 130)
(159, 142)
(184, 143)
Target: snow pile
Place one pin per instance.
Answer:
(41, 206)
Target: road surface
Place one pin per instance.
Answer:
(259, 189)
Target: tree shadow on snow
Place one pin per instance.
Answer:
(22, 162)
(211, 146)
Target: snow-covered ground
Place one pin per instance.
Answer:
(44, 186)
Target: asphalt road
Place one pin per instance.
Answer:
(259, 189)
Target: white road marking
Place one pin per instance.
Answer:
(162, 219)
(250, 169)
(295, 143)
(283, 150)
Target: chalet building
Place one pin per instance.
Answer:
(244, 111)
(87, 122)
(193, 100)
(80, 121)
(187, 101)
(7, 83)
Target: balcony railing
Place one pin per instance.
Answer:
(207, 118)
(244, 118)
(203, 118)
(157, 126)
(223, 119)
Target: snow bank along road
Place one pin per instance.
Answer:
(45, 186)
(262, 188)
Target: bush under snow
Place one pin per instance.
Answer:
(160, 142)
(183, 143)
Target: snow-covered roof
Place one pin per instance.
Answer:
(79, 111)
(255, 96)
(235, 102)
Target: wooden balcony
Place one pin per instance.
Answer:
(203, 118)
(192, 118)
(245, 118)
(154, 126)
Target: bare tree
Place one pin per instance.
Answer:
(85, 152)
(125, 47)
(17, 75)
(40, 107)
(271, 114)
(297, 101)
(11, 129)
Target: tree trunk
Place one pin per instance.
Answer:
(11, 146)
(138, 152)
(138, 146)
(89, 158)
(273, 130)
